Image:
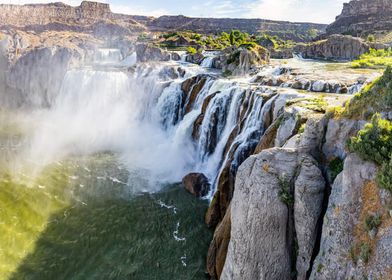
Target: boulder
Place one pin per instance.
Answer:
(196, 184)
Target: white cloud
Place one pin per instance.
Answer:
(323, 11)
(138, 10)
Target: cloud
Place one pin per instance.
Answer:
(138, 10)
(323, 11)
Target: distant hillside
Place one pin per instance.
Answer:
(98, 18)
(362, 17)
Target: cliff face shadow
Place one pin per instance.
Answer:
(120, 239)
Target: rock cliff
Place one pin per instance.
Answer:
(363, 17)
(98, 19)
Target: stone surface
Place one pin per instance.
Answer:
(363, 17)
(217, 251)
(147, 52)
(196, 184)
(262, 235)
(335, 47)
(333, 260)
(338, 132)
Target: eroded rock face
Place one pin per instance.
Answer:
(197, 184)
(333, 260)
(338, 132)
(336, 47)
(363, 17)
(217, 251)
(263, 232)
(147, 52)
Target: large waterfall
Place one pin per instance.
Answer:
(160, 129)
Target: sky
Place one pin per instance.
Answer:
(319, 11)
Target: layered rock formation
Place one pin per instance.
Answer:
(336, 47)
(98, 19)
(363, 17)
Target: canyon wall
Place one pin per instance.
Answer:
(363, 17)
(59, 16)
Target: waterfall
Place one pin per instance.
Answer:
(161, 123)
(107, 56)
(207, 62)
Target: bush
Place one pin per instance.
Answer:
(285, 193)
(374, 59)
(335, 167)
(365, 253)
(372, 222)
(384, 176)
(191, 50)
(374, 142)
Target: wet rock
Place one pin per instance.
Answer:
(197, 184)
(217, 251)
(175, 56)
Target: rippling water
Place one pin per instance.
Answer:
(80, 218)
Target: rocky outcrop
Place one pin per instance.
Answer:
(88, 17)
(240, 61)
(361, 17)
(276, 203)
(354, 196)
(196, 184)
(335, 47)
(148, 52)
(217, 251)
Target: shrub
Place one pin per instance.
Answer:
(374, 142)
(285, 193)
(372, 222)
(191, 50)
(384, 176)
(365, 253)
(335, 167)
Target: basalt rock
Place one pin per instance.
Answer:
(361, 17)
(196, 184)
(147, 52)
(264, 228)
(335, 47)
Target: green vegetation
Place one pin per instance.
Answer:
(375, 97)
(374, 59)
(374, 143)
(372, 222)
(365, 252)
(191, 50)
(317, 104)
(370, 38)
(285, 192)
(335, 167)
(221, 41)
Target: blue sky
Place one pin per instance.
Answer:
(323, 11)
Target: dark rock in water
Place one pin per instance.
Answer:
(197, 184)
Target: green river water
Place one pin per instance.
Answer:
(78, 219)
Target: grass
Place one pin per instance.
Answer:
(374, 59)
(317, 104)
(375, 97)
